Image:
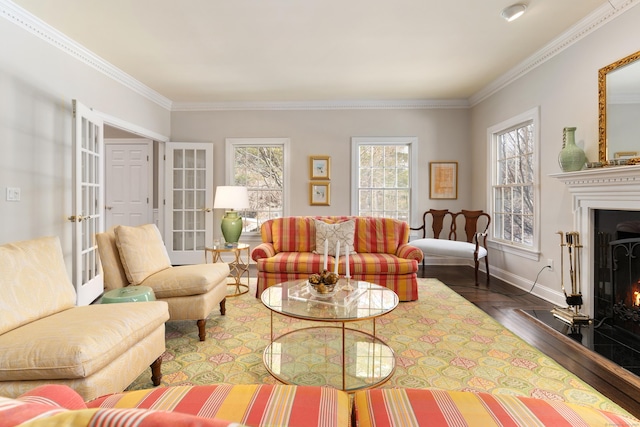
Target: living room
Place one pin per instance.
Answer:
(39, 81)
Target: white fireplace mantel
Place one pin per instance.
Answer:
(614, 188)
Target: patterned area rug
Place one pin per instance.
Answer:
(440, 341)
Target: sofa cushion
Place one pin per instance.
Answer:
(28, 269)
(444, 247)
(379, 264)
(186, 280)
(412, 407)
(251, 404)
(341, 233)
(380, 235)
(15, 411)
(142, 251)
(125, 418)
(298, 262)
(55, 395)
(112, 270)
(77, 342)
(293, 234)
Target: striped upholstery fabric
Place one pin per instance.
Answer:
(252, 405)
(59, 405)
(383, 254)
(412, 407)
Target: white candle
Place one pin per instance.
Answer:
(326, 251)
(337, 255)
(346, 260)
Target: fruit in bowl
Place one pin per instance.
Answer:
(323, 283)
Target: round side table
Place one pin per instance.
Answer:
(128, 294)
(238, 267)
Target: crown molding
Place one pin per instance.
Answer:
(42, 30)
(323, 105)
(601, 16)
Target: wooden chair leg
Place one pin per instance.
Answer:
(223, 307)
(156, 371)
(486, 263)
(476, 262)
(202, 329)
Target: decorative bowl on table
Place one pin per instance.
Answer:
(323, 285)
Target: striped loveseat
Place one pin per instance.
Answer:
(382, 253)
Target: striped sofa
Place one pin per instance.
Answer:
(294, 406)
(383, 255)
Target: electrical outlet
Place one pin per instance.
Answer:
(13, 194)
(550, 264)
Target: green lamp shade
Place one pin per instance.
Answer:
(231, 227)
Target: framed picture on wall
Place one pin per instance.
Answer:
(319, 167)
(319, 193)
(443, 180)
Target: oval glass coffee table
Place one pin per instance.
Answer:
(326, 354)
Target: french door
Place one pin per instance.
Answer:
(88, 206)
(188, 201)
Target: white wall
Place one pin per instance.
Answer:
(566, 90)
(37, 83)
(442, 135)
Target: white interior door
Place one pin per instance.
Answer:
(88, 205)
(188, 200)
(128, 182)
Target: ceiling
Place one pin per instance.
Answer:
(202, 51)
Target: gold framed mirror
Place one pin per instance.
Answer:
(618, 105)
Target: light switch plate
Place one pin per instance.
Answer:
(13, 194)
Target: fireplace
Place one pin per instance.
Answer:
(606, 206)
(595, 190)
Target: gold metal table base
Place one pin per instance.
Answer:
(238, 267)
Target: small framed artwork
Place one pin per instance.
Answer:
(319, 193)
(319, 167)
(443, 180)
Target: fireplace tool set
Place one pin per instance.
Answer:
(571, 314)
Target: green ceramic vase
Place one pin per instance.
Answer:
(231, 227)
(571, 157)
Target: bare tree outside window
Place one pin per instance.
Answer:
(384, 180)
(260, 168)
(513, 187)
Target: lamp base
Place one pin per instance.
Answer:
(231, 227)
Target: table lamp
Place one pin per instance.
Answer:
(231, 198)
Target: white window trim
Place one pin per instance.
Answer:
(532, 115)
(230, 143)
(412, 142)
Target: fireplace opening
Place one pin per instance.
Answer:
(616, 272)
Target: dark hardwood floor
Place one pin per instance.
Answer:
(502, 301)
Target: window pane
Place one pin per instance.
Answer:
(513, 186)
(384, 180)
(260, 168)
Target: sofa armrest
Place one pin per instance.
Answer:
(407, 251)
(263, 250)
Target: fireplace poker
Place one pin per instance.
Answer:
(562, 245)
(569, 238)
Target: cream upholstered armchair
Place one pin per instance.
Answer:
(137, 256)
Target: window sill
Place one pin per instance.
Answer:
(520, 251)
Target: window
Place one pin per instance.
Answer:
(260, 165)
(514, 196)
(384, 177)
